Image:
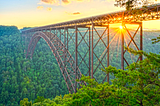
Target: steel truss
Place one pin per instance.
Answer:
(132, 40)
(76, 47)
(75, 43)
(101, 41)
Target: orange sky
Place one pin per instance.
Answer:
(31, 13)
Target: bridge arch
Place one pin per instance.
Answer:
(62, 55)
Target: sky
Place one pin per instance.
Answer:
(34, 13)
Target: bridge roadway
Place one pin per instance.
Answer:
(59, 36)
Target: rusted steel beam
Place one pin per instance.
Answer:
(89, 52)
(141, 40)
(67, 39)
(133, 40)
(122, 50)
(132, 37)
(82, 57)
(60, 33)
(108, 53)
(76, 58)
(92, 53)
(64, 52)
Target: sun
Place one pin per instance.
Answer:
(120, 27)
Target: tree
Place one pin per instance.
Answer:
(156, 40)
(129, 4)
(138, 85)
(25, 102)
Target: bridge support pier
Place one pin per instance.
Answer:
(122, 49)
(103, 40)
(92, 52)
(132, 40)
(89, 51)
(76, 58)
(108, 53)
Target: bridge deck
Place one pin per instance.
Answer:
(143, 14)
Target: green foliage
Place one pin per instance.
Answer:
(130, 4)
(25, 102)
(8, 30)
(24, 78)
(39, 99)
(24, 28)
(156, 40)
(138, 85)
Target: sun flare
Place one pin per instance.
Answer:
(120, 27)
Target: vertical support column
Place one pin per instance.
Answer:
(122, 49)
(56, 31)
(56, 37)
(64, 52)
(25, 38)
(89, 52)
(92, 52)
(76, 59)
(28, 37)
(60, 33)
(50, 34)
(108, 54)
(64, 37)
(67, 39)
(64, 47)
(141, 40)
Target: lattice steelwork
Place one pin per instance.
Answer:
(131, 40)
(82, 46)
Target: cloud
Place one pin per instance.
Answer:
(51, 1)
(40, 7)
(75, 13)
(65, 1)
(49, 9)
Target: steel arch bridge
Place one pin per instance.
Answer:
(61, 54)
(85, 43)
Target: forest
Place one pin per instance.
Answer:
(20, 77)
(39, 81)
